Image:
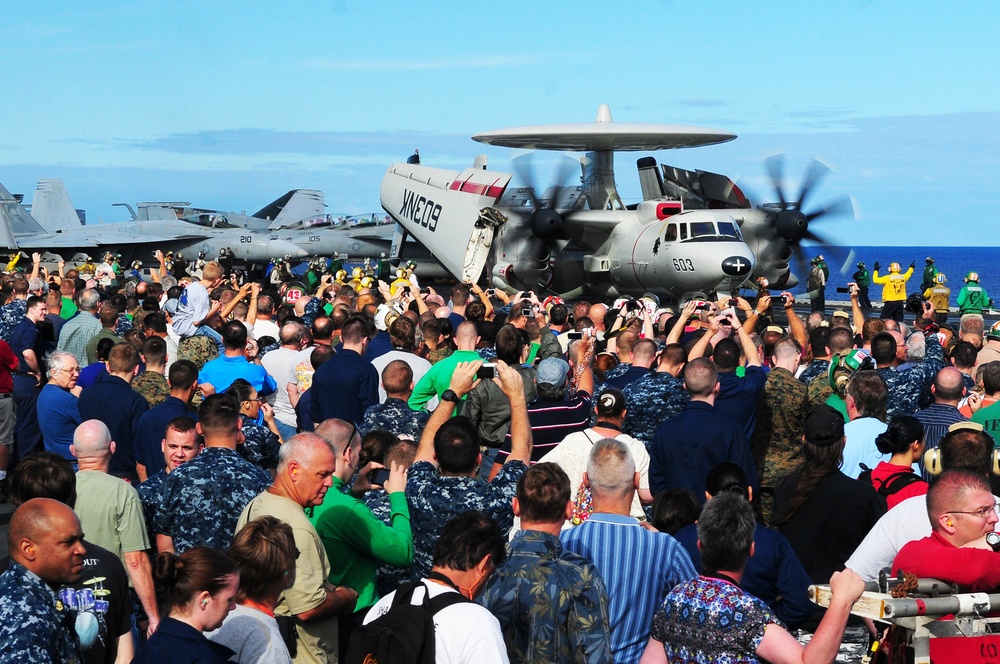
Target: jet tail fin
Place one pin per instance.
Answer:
(297, 205)
(52, 207)
(16, 219)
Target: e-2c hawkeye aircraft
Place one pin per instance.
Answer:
(54, 226)
(694, 232)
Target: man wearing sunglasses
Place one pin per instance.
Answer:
(962, 547)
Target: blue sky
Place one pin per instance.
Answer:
(229, 105)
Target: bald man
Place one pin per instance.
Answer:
(111, 511)
(306, 464)
(46, 551)
(948, 390)
(436, 381)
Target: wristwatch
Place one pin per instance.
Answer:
(449, 395)
(993, 539)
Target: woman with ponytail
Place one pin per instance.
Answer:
(894, 479)
(200, 587)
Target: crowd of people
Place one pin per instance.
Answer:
(972, 298)
(208, 468)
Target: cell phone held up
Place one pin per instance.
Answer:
(379, 476)
(487, 371)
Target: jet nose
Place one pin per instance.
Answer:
(286, 248)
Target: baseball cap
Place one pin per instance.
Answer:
(552, 371)
(841, 314)
(823, 426)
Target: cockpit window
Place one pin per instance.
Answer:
(729, 229)
(671, 235)
(702, 228)
(210, 221)
(684, 231)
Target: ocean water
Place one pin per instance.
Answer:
(955, 262)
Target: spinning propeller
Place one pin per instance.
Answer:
(790, 220)
(545, 222)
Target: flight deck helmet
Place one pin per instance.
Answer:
(893, 268)
(341, 275)
(357, 272)
(861, 265)
(940, 279)
(994, 332)
(929, 260)
(845, 363)
(972, 276)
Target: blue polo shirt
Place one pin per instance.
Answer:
(222, 371)
(58, 417)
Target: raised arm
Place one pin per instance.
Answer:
(463, 379)
(520, 429)
(795, 325)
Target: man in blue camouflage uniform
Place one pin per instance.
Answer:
(13, 312)
(819, 343)
(443, 480)
(394, 414)
(551, 603)
(180, 445)
(654, 399)
(906, 387)
(202, 500)
(46, 552)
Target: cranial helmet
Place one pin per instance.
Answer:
(972, 276)
(939, 278)
(341, 274)
(929, 260)
(994, 332)
(861, 265)
(894, 267)
(356, 273)
(366, 282)
(845, 363)
(400, 273)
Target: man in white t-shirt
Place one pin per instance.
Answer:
(280, 364)
(464, 632)
(574, 450)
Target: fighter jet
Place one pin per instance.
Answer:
(54, 225)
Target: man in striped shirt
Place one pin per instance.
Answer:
(639, 566)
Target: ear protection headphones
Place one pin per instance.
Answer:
(932, 457)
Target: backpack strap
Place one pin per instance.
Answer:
(447, 599)
(898, 481)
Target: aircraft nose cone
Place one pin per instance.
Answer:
(737, 266)
(285, 248)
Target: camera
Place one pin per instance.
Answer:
(585, 332)
(915, 304)
(527, 311)
(733, 302)
(843, 289)
(379, 476)
(487, 371)
(701, 305)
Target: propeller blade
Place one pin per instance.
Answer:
(775, 166)
(837, 255)
(524, 169)
(840, 206)
(817, 171)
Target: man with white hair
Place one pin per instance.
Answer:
(639, 566)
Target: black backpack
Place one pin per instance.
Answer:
(405, 633)
(892, 484)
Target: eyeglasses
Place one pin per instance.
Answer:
(73, 370)
(253, 400)
(983, 513)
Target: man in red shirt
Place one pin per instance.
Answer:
(8, 363)
(962, 511)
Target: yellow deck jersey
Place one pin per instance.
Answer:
(893, 285)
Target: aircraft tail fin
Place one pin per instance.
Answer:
(16, 219)
(297, 205)
(52, 207)
(649, 178)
